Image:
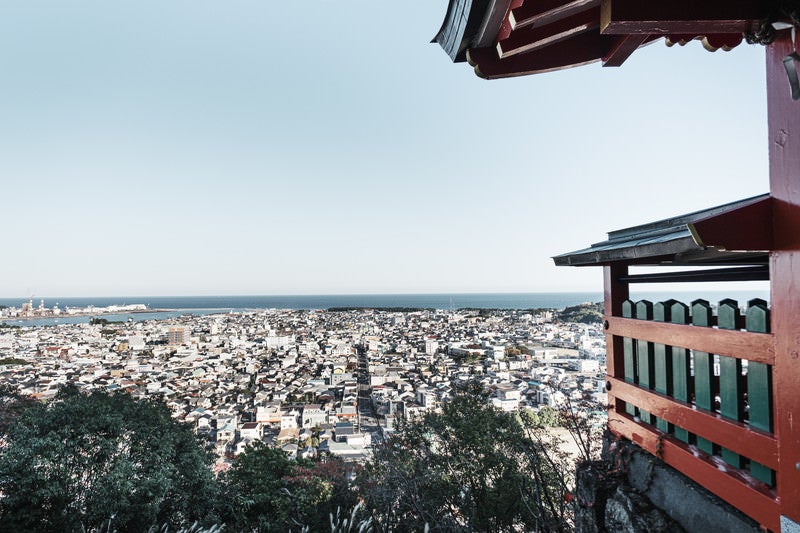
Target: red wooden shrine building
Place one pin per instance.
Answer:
(715, 396)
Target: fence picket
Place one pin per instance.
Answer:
(644, 356)
(627, 354)
(681, 371)
(662, 360)
(759, 386)
(731, 386)
(703, 369)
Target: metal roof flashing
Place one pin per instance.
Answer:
(734, 233)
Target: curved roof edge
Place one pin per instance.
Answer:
(506, 38)
(470, 23)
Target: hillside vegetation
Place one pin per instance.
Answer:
(108, 462)
(587, 313)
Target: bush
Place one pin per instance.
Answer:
(470, 467)
(73, 463)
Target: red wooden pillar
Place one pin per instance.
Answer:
(615, 292)
(784, 176)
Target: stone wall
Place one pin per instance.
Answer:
(633, 491)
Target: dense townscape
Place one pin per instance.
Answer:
(313, 382)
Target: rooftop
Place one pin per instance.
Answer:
(730, 234)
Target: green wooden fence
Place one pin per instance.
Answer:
(732, 387)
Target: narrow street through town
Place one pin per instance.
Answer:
(367, 419)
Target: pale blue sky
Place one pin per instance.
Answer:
(250, 147)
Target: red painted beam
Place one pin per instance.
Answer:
(582, 49)
(756, 502)
(664, 17)
(624, 46)
(507, 26)
(736, 436)
(759, 347)
(541, 12)
(536, 37)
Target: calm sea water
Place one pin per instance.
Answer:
(172, 306)
(227, 303)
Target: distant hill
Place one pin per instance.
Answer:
(587, 313)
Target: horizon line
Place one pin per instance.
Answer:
(252, 295)
(325, 294)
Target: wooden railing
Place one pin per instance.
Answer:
(695, 389)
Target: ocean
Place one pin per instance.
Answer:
(171, 306)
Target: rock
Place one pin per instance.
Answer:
(593, 486)
(629, 512)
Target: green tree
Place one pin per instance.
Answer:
(84, 459)
(256, 495)
(13, 361)
(265, 490)
(12, 404)
(469, 467)
(321, 489)
(544, 417)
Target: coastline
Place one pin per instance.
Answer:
(116, 316)
(86, 314)
(163, 307)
